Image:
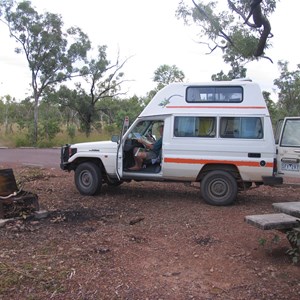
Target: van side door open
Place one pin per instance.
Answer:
(288, 148)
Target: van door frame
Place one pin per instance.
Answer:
(120, 151)
(287, 155)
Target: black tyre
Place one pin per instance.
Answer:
(88, 179)
(219, 188)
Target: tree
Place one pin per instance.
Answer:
(103, 80)
(237, 71)
(49, 51)
(273, 108)
(7, 116)
(231, 30)
(24, 115)
(289, 89)
(166, 74)
(50, 120)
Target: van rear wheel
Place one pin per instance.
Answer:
(88, 178)
(218, 188)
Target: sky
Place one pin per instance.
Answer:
(150, 35)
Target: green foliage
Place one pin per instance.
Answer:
(275, 112)
(51, 119)
(288, 85)
(71, 130)
(50, 52)
(293, 237)
(231, 30)
(237, 71)
(263, 241)
(94, 100)
(166, 74)
(22, 141)
(49, 129)
(111, 129)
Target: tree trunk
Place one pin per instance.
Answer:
(35, 121)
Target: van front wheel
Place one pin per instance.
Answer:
(218, 188)
(88, 179)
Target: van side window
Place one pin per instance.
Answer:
(195, 127)
(227, 94)
(241, 127)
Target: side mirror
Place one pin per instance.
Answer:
(115, 138)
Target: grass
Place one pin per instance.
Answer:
(18, 138)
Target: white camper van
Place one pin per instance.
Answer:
(216, 133)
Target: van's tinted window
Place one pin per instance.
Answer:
(228, 94)
(195, 126)
(241, 127)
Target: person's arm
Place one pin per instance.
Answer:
(146, 144)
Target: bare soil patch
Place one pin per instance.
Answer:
(143, 241)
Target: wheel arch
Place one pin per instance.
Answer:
(96, 160)
(231, 168)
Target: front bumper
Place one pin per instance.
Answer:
(64, 157)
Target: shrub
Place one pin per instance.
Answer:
(294, 238)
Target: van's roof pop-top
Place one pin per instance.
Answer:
(234, 97)
(216, 133)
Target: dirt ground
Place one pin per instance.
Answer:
(143, 241)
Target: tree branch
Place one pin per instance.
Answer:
(235, 9)
(259, 21)
(223, 34)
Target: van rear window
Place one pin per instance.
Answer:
(228, 94)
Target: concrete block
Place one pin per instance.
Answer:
(290, 208)
(273, 221)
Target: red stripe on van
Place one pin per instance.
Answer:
(212, 106)
(204, 161)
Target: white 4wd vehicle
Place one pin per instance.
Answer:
(217, 133)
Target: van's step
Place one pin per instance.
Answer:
(272, 180)
(278, 221)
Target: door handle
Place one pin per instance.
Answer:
(297, 151)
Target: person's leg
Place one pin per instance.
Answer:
(138, 159)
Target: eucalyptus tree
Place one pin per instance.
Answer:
(288, 85)
(115, 109)
(101, 80)
(50, 51)
(237, 71)
(166, 74)
(242, 32)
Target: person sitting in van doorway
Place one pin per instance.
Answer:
(151, 151)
